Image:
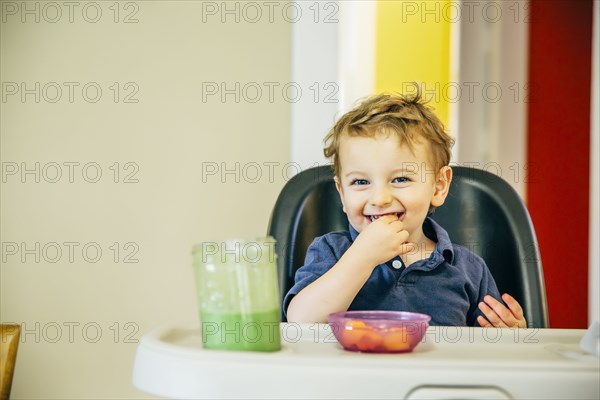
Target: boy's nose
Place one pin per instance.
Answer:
(381, 197)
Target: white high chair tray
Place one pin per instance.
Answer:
(451, 362)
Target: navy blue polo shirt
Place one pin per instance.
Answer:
(448, 285)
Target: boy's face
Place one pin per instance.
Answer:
(378, 176)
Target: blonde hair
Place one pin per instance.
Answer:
(407, 116)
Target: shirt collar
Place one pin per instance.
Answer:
(353, 232)
(433, 231)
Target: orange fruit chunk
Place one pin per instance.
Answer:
(396, 340)
(353, 332)
(369, 341)
(353, 324)
(359, 336)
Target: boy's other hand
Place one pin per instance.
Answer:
(499, 316)
(383, 239)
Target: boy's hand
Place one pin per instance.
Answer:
(499, 316)
(382, 240)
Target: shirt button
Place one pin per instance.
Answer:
(396, 264)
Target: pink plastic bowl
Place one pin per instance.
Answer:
(379, 331)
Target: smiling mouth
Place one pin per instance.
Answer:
(399, 215)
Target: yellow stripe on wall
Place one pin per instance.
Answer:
(413, 45)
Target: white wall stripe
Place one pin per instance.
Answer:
(315, 70)
(453, 107)
(336, 52)
(357, 51)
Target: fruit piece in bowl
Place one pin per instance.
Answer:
(379, 331)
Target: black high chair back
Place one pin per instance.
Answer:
(482, 212)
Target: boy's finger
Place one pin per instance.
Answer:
(406, 248)
(389, 218)
(504, 313)
(507, 316)
(513, 305)
(484, 323)
(404, 235)
(491, 315)
(397, 225)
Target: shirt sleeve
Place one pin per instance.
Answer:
(320, 257)
(487, 285)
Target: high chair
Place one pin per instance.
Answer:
(482, 212)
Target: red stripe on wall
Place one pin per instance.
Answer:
(560, 57)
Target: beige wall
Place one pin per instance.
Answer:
(82, 318)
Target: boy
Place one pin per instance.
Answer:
(391, 160)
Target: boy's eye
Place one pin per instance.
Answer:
(401, 179)
(359, 182)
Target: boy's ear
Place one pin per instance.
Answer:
(338, 186)
(442, 186)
